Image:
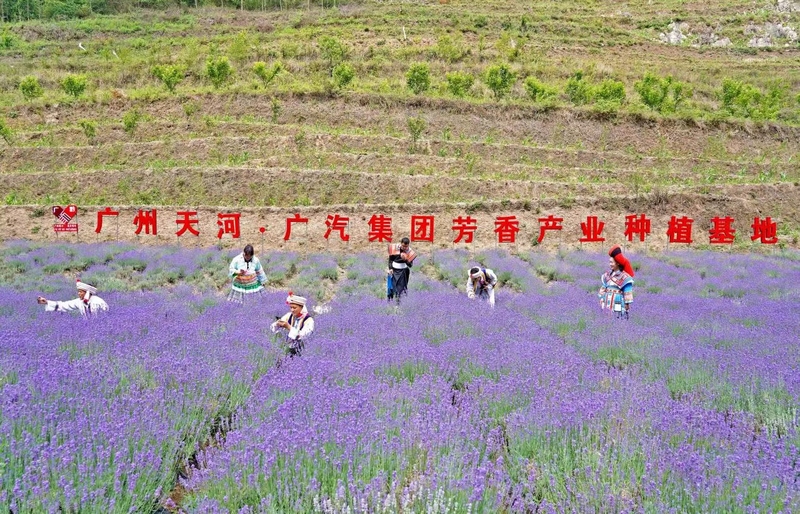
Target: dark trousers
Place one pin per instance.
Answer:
(399, 283)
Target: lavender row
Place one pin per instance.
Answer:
(449, 406)
(97, 415)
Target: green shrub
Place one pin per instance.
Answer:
(481, 22)
(459, 83)
(5, 132)
(539, 91)
(333, 51)
(240, 47)
(499, 78)
(89, 129)
(74, 85)
(662, 94)
(65, 9)
(267, 74)
(416, 126)
(508, 46)
(747, 101)
(190, 108)
(578, 90)
(418, 77)
(7, 40)
(218, 70)
(30, 88)
(610, 90)
(343, 74)
(276, 109)
(130, 120)
(449, 50)
(169, 75)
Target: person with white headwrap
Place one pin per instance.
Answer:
(247, 274)
(87, 301)
(481, 283)
(298, 324)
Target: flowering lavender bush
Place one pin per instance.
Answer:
(438, 405)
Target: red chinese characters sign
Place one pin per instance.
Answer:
(679, 230)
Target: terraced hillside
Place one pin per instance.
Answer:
(577, 132)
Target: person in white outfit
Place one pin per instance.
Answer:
(297, 323)
(86, 303)
(481, 283)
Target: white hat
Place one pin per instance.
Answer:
(475, 272)
(86, 287)
(295, 299)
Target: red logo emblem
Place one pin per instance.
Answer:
(65, 215)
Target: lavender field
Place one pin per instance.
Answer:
(172, 402)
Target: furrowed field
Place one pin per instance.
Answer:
(172, 400)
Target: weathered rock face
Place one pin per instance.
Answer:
(770, 34)
(708, 37)
(787, 6)
(676, 35)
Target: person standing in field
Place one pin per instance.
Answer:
(401, 259)
(297, 323)
(247, 275)
(616, 292)
(481, 283)
(86, 303)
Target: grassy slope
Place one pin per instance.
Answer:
(300, 123)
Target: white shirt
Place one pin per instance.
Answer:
(296, 332)
(491, 281)
(93, 306)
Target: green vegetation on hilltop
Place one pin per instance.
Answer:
(191, 50)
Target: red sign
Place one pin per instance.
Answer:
(186, 221)
(65, 215)
(506, 228)
(228, 224)
(339, 224)
(465, 227)
(722, 231)
(766, 230)
(592, 228)
(289, 221)
(380, 229)
(680, 230)
(422, 228)
(147, 220)
(637, 225)
(101, 215)
(548, 223)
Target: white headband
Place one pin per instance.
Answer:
(86, 287)
(297, 300)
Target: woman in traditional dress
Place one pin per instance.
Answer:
(481, 283)
(247, 274)
(297, 323)
(86, 303)
(616, 292)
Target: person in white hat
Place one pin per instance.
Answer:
(481, 283)
(87, 301)
(298, 324)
